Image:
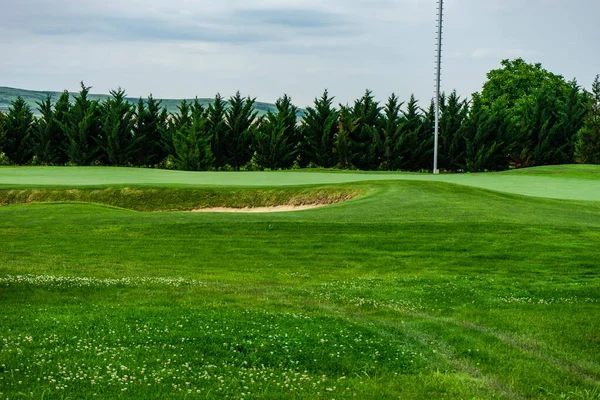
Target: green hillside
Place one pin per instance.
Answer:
(7, 95)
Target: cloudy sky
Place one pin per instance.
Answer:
(264, 48)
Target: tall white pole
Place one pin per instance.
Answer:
(438, 81)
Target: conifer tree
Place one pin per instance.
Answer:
(18, 128)
(366, 142)
(320, 127)
(240, 120)
(81, 129)
(416, 145)
(61, 111)
(116, 141)
(588, 139)
(276, 136)
(150, 122)
(190, 141)
(393, 138)
(425, 139)
(46, 134)
(348, 124)
(451, 145)
(217, 129)
(2, 132)
(575, 109)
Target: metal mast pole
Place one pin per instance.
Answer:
(438, 80)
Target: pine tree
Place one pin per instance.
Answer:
(320, 127)
(116, 141)
(575, 109)
(417, 146)
(240, 120)
(47, 134)
(588, 138)
(423, 159)
(2, 133)
(393, 138)
(150, 122)
(81, 129)
(276, 136)
(217, 128)
(18, 128)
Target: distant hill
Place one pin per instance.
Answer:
(7, 95)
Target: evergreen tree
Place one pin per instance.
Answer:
(348, 124)
(240, 120)
(320, 127)
(366, 142)
(62, 109)
(190, 141)
(18, 128)
(588, 139)
(451, 144)
(575, 109)
(116, 141)
(276, 137)
(2, 132)
(81, 129)
(423, 159)
(394, 136)
(47, 134)
(418, 146)
(150, 123)
(217, 128)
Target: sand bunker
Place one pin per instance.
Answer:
(285, 208)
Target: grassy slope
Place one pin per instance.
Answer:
(418, 289)
(577, 185)
(7, 95)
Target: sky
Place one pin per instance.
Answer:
(265, 48)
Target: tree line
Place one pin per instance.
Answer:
(524, 116)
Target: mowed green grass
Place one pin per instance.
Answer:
(414, 289)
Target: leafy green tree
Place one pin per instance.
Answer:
(276, 136)
(218, 131)
(150, 123)
(240, 121)
(516, 80)
(394, 135)
(18, 128)
(189, 138)
(47, 135)
(116, 141)
(588, 139)
(82, 128)
(320, 127)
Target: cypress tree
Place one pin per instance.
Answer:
(320, 127)
(190, 141)
(150, 123)
(217, 128)
(366, 142)
(62, 108)
(240, 121)
(47, 140)
(81, 129)
(18, 128)
(276, 136)
(393, 138)
(116, 141)
(451, 145)
(348, 124)
(588, 138)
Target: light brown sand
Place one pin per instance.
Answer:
(260, 209)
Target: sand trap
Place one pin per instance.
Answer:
(260, 209)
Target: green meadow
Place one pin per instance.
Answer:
(474, 286)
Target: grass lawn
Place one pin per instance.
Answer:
(458, 286)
